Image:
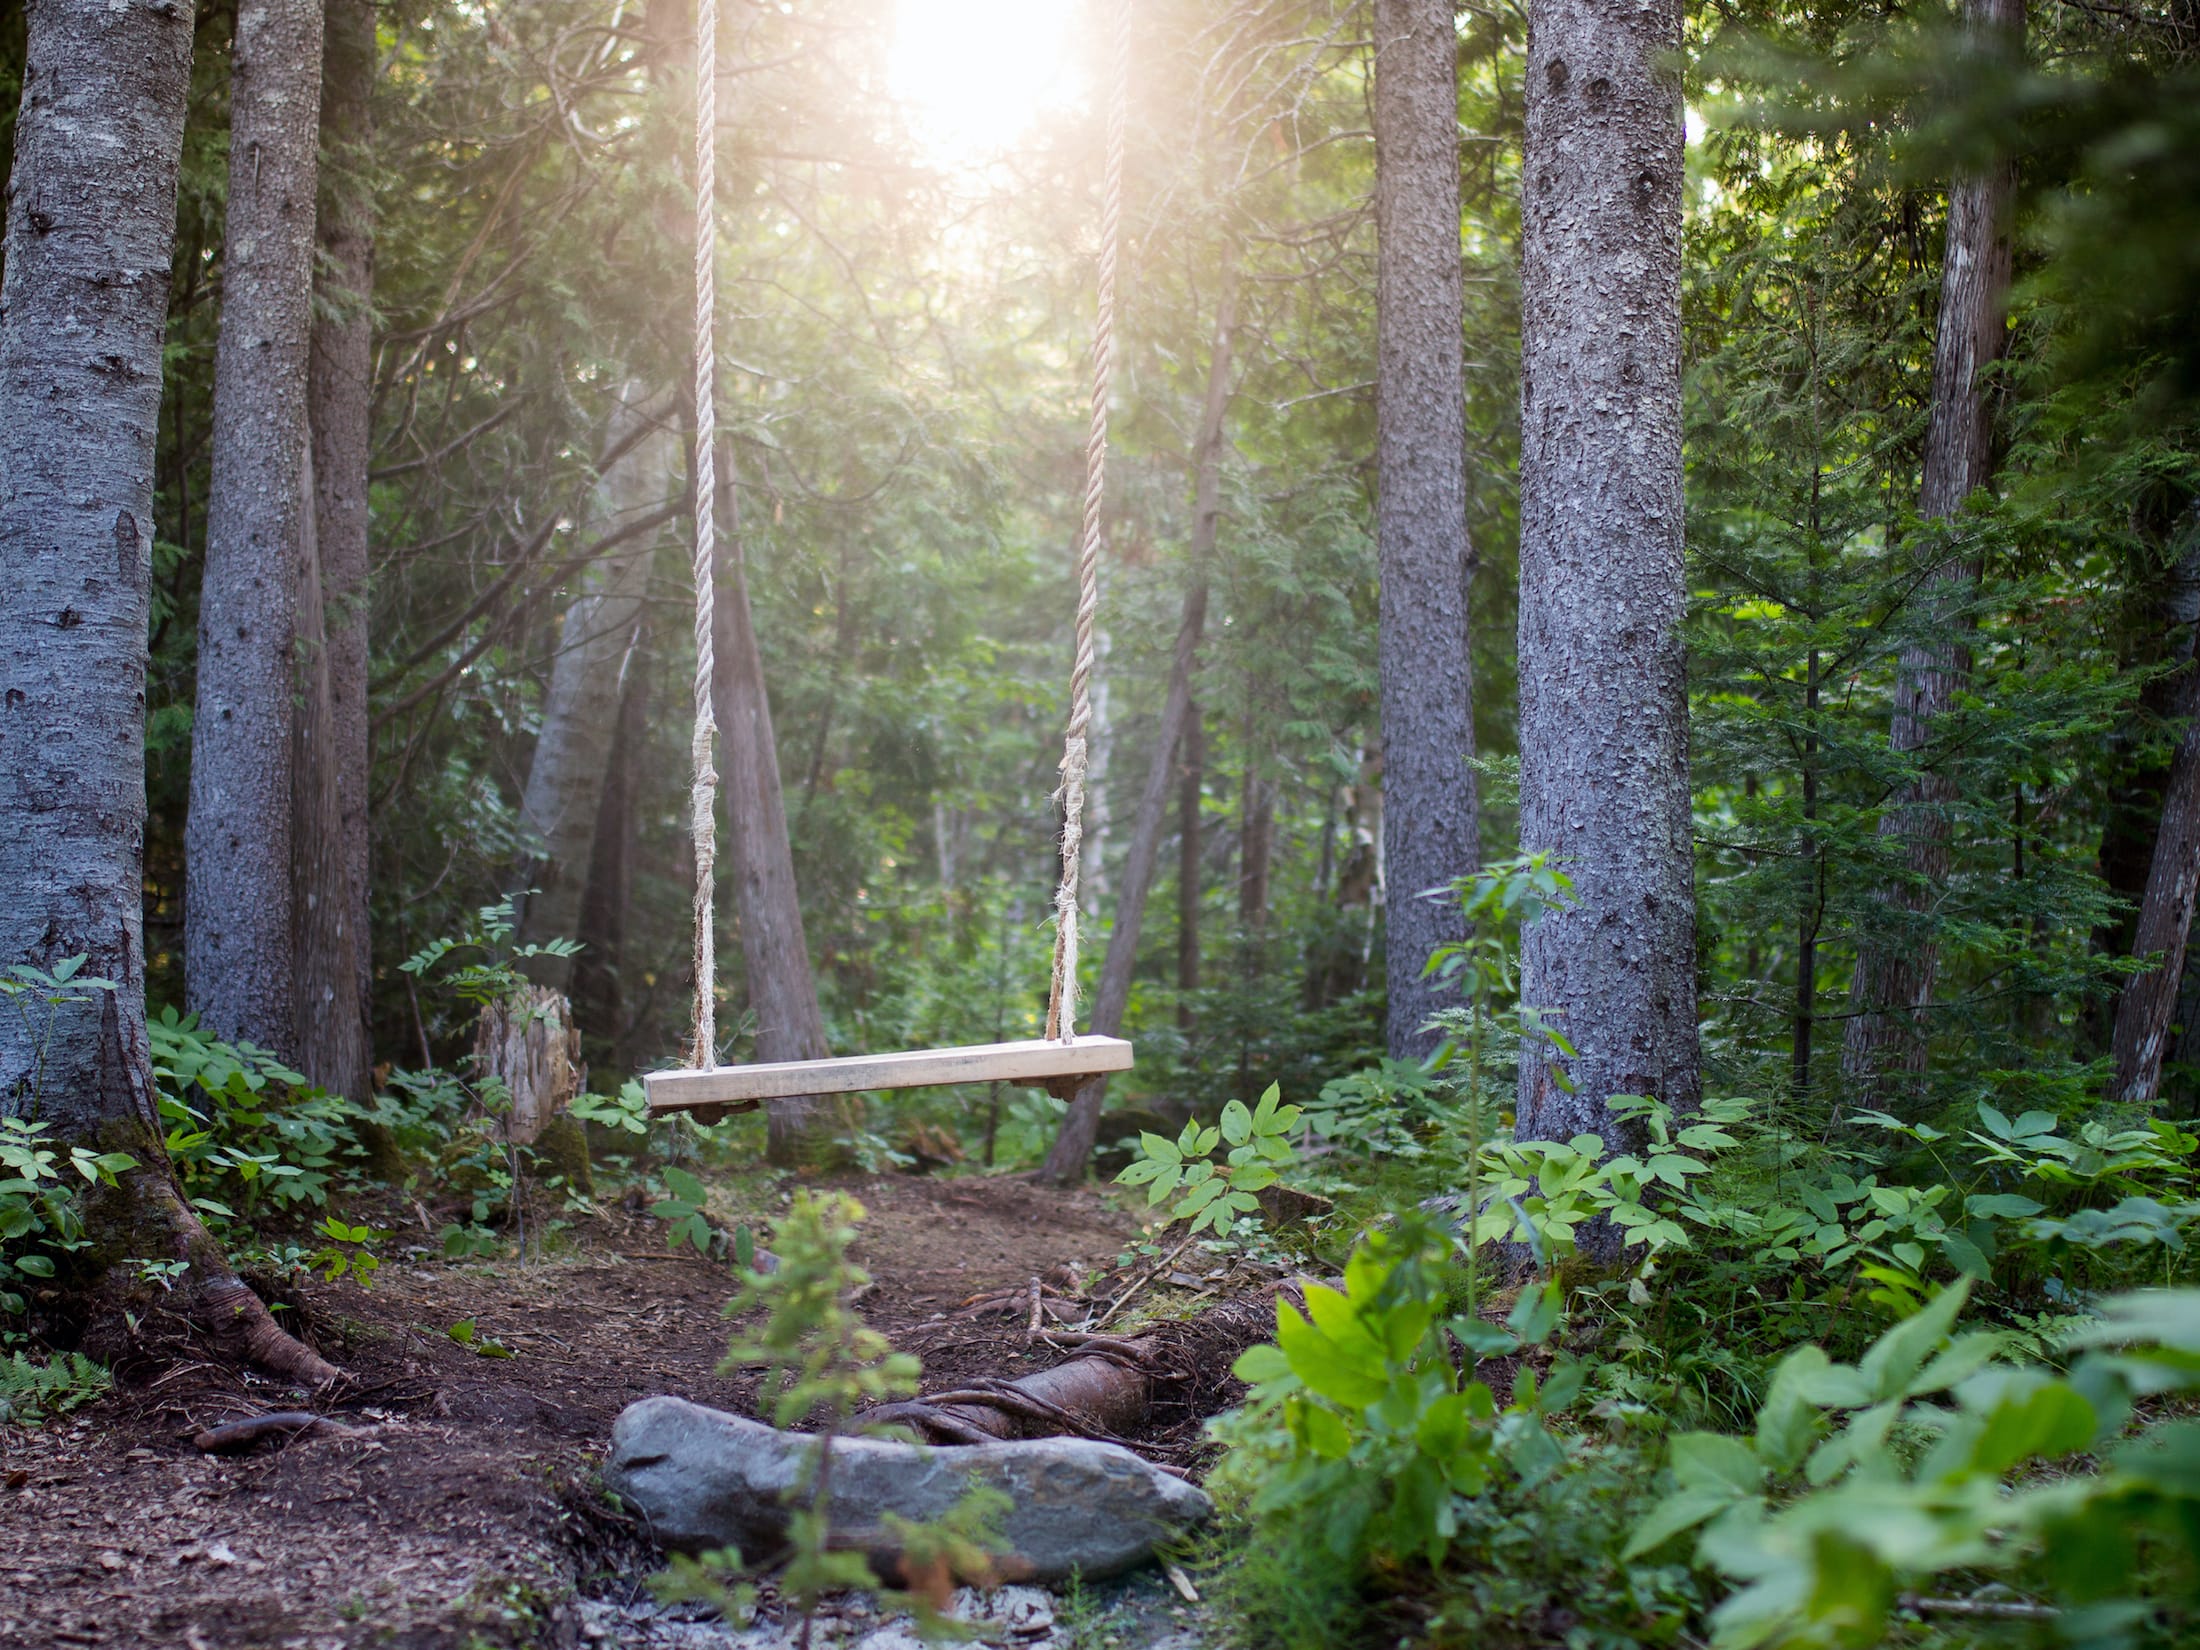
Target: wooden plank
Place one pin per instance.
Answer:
(1033, 1062)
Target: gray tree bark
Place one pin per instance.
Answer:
(599, 972)
(1432, 817)
(90, 233)
(1603, 690)
(330, 1019)
(1893, 987)
(1072, 1150)
(580, 713)
(2148, 1007)
(1256, 847)
(238, 962)
(774, 947)
(333, 933)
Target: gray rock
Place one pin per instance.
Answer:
(703, 1479)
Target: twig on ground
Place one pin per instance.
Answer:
(1153, 1272)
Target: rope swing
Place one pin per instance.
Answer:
(1076, 751)
(1061, 1059)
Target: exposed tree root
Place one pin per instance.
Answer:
(149, 1213)
(1149, 1391)
(243, 1327)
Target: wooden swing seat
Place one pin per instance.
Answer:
(1044, 1062)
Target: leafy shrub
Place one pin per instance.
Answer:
(1925, 1460)
(1216, 1196)
(38, 1214)
(245, 1132)
(494, 972)
(1360, 1429)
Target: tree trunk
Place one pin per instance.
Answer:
(1421, 504)
(1256, 844)
(1191, 791)
(580, 712)
(1603, 689)
(1072, 1149)
(1813, 913)
(83, 304)
(599, 998)
(238, 965)
(2148, 1006)
(2159, 615)
(1895, 969)
(330, 1020)
(339, 391)
(774, 948)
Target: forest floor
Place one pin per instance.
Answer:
(465, 1510)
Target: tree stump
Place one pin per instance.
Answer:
(528, 1041)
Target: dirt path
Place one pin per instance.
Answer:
(463, 1512)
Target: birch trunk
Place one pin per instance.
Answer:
(333, 934)
(2148, 1007)
(1191, 791)
(774, 947)
(1603, 692)
(238, 960)
(83, 303)
(1072, 1150)
(1893, 988)
(580, 711)
(1421, 503)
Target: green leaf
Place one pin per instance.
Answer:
(1964, 1357)
(1237, 1123)
(1788, 1422)
(37, 1266)
(2165, 1317)
(1536, 1314)
(1323, 1365)
(1198, 1197)
(1713, 1461)
(2049, 1422)
(1896, 1356)
(1676, 1513)
(1261, 1364)
(1965, 1256)
(1325, 1432)
(1851, 1590)
(1160, 1147)
(685, 1186)
(1482, 1339)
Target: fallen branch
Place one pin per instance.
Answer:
(233, 1437)
(1988, 1609)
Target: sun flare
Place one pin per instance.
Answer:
(975, 75)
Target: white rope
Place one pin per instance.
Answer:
(1076, 753)
(703, 794)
